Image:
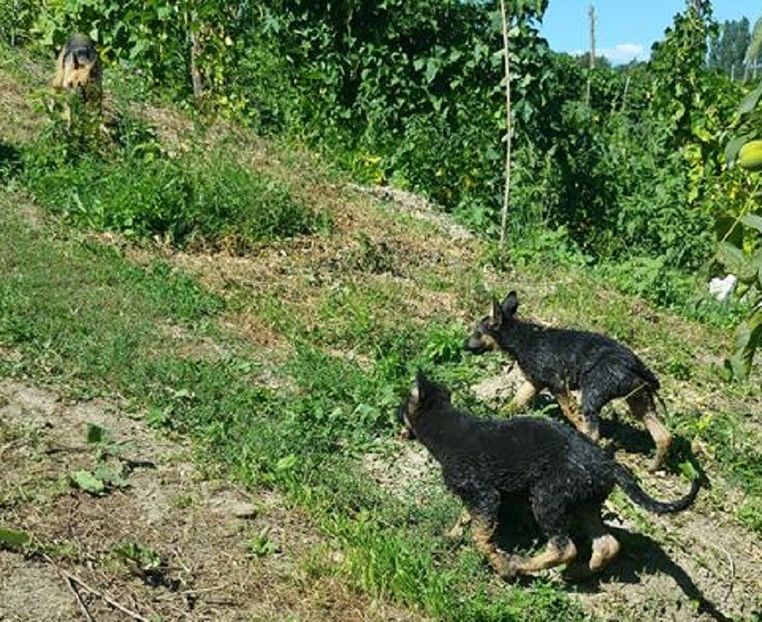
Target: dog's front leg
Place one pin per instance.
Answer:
(458, 529)
(484, 520)
(523, 397)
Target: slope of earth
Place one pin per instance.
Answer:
(282, 367)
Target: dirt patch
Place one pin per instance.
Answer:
(499, 390)
(170, 545)
(695, 566)
(190, 346)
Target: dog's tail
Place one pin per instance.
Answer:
(627, 482)
(646, 375)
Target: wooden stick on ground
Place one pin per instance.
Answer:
(80, 602)
(72, 578)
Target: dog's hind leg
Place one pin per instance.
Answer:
(642, 406)
(559, 550)
(549, 509)
(570, 408)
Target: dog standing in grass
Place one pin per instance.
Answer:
(560, 472)
(569, 360)
(78, 69)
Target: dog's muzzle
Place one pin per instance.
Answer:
(405, 433)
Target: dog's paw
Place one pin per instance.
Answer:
(576, 572)
(507, 567)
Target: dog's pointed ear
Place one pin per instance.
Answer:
(423, 387)
(418, 391)
(510, 304)
(496, 314)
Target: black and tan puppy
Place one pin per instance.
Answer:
(557, 470)
(78, 68)
(569, 360)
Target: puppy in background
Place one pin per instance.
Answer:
(78, 69)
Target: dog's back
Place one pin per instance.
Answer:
(511, 455)
(568, 355)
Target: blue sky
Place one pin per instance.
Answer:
(626, 28)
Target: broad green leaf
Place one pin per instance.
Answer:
(87, 482)
(731, 257)
(748, 341)
(722, 227)
(111, 475)
(753, 220)
(734, 146)
(432, 69)
(12, 539)
(749, 102)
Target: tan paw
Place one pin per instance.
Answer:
(605, 549)
(507, 566)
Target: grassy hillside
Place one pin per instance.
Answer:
(273, 313)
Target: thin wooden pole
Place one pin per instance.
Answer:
(591, 61)
(508, 121)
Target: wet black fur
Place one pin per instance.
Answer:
(558, 470)
(560, 359)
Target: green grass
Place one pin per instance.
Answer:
(92, 322)
(201, 198)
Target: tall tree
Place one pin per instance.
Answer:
(753, 55)
(728, 48)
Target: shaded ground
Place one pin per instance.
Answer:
(214, 552)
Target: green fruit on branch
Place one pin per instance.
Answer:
(750, 156)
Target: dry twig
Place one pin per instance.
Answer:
(71, 578)
(82, 606)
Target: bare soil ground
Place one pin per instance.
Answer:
(225, 553)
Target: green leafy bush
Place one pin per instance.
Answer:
(740, 249)
(131, 185)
